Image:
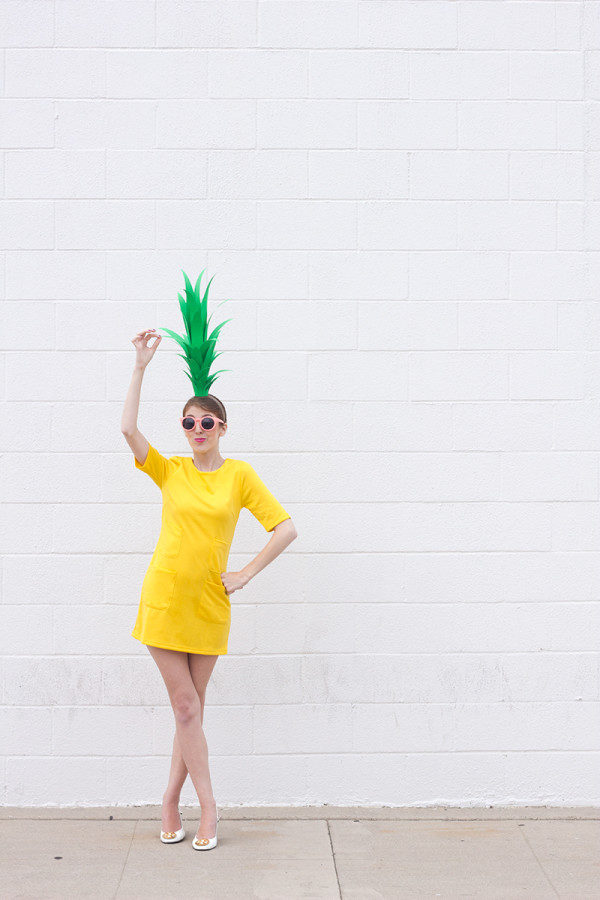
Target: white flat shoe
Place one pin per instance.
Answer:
(173, 837)
(206, 843)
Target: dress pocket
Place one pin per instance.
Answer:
(216, 606)
(169, 541)
(158, 587)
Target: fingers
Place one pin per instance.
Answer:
(145, 332)
(146, 335)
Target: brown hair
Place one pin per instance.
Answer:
(210, 402)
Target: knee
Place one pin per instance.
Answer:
(186, 706)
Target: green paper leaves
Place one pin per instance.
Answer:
(199, 347)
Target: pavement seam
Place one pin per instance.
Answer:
(535, 856)
(116, 893)
(337, 877)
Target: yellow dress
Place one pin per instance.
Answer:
(184, 605)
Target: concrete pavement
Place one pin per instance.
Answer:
(322, 853)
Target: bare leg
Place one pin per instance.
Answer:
(179, 770)
(176, 669)
(172, 794)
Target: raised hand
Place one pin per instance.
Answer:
(143, 351)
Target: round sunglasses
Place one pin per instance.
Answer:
(207, 423)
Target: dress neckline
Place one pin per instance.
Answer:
(212, 471)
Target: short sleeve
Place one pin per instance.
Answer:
(155, 465)
(260, 501)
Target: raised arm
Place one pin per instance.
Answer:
(129, 429)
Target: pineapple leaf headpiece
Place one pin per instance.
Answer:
(198, 346)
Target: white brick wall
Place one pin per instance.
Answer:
(402, 202)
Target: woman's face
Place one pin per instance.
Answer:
(202, 441)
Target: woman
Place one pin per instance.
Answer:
(184, 611)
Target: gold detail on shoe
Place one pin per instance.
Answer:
(202, 841)
(169, 834)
